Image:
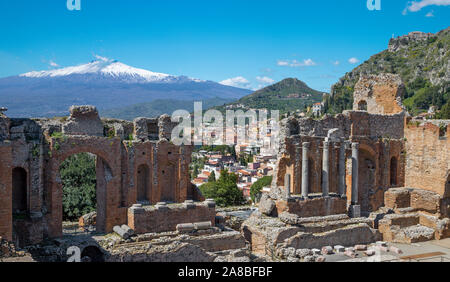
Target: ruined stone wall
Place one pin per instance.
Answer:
(379, 94)
(166, 218)
(5, 191)
(313, 207)
(375, 125)
(381, 138)
(38, 147)
(428, 157)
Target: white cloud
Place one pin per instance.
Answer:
(295, 63)
(265, 79)
(100, 58)
(415, 6)
(430, 14)
(283, 63)
(336, 63)
(53, 64)
(353, 60)
(238, 81)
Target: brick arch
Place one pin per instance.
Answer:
(109, 190)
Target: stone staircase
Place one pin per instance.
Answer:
(411, 216)
(267, 234)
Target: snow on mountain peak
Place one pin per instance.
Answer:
(109, 68)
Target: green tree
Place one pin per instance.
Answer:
(212, 177)
(445, 111)
(256, 188)
(224, 191)
(79, 181)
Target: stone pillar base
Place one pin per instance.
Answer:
(354, 211)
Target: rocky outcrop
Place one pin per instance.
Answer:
(404, 41)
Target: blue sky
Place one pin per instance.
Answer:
(246, 43)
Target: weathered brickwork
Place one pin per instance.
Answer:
(132, 165)
(428, 156)
(164, 218)
(381, 155)
(313, 207)
(379, 94)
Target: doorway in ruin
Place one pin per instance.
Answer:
(362, 106)
(366, 181)
(447, 186)
(143, 184)
(84, 177)
(19, 204)
(393, 172)
(168, 184)
(19, 190)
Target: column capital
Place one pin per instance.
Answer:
(306, 144)
(355, 146)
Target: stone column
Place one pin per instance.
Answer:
(325, 168)
(355, 163)
(287, 185)
(342, 187)
(355, 209)
(305, 169)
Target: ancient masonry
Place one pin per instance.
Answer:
(135, 164)
(341, 180)
(362, 176)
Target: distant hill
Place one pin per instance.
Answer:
(422, 61)
(104, 83)
(159, 107)
(288, 95)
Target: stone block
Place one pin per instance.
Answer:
(185, 227)
(202, 225)
(350, 254)
(320, 259)
(266, 204)
(339, 249)
(328, 250)
(360, 247)
(316, 251)
(354, 211)
(395, 250)
(381, 244)
(121, 232)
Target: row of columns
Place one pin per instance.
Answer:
(326, 171)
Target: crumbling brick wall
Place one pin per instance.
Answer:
(381, 94)
(428, 156)
(39, 146)
(161, 219)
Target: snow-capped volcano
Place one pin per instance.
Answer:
(109, 68)
(104, 83)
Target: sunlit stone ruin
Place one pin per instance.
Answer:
(345, 183)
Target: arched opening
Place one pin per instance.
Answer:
(168, 184)
(19, 205)
(19, 190)
(84, 177)
(362, 106)
(143, 184)
(92, 254)
(393, 172)
(367, 180)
